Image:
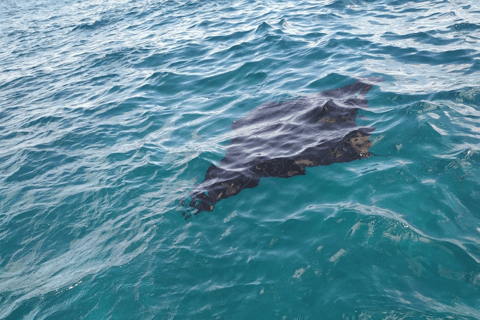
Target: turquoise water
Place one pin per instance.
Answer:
(112, 111)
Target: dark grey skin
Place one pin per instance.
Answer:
(282, 139)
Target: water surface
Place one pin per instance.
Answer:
(112, 111)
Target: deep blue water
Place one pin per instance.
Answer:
(112, 111)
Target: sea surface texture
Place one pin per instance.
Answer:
(111, 112)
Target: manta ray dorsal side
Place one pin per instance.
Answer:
(282, 139)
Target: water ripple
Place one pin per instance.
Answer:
(111, 112)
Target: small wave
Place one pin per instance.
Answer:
(464, 26)
(89, 26)
(263, 28)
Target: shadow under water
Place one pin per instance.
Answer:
(282, 139)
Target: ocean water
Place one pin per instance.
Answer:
(112, 111)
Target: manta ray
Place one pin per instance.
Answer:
(282, 139)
